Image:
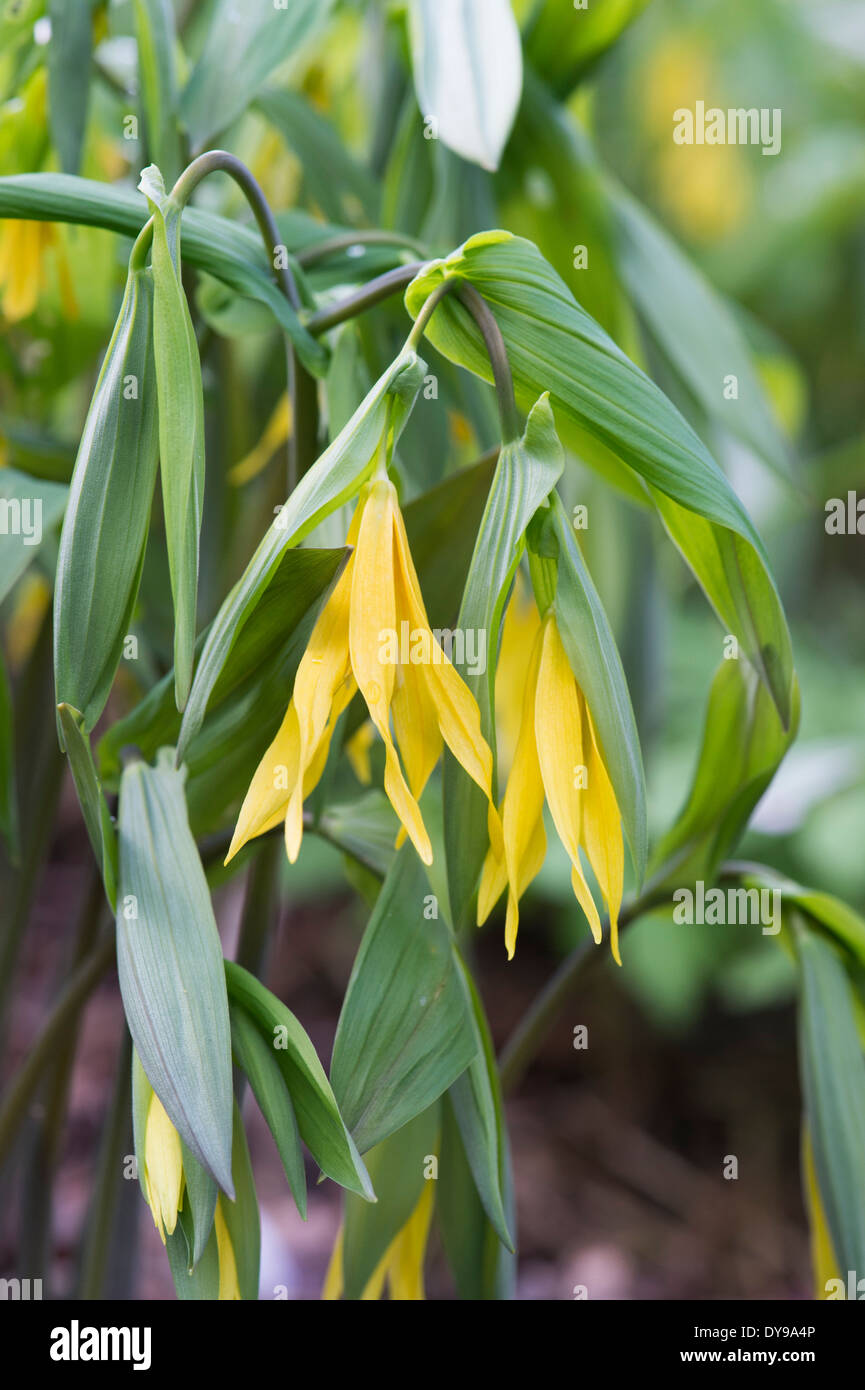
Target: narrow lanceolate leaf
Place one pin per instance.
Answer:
(477, 1104)
(742, 593)
(594, 659)
(468, 73)
(155, 34)
(743, 746)
(399, 1167)
(181, 425)
(225, 249)
(553, 344)
(30, 508)
(9, 827)
(69, 77)
(405, 1032)
(334, 478)
(170, 963)
(257, 1061)
(527, 470)
(318, 1116)
(244, 44)
(108, 514)
(482, 1267)
(94, 808)
(833, 1082)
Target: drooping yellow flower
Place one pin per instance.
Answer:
(372, 635)
(401, 1266)
(163, 1168)
(557, 758)
(519, 630)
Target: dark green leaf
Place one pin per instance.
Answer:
(69, 77)
(259, 1064)
(405, 1031)
(97, 817)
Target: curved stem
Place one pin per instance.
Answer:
(498, 355)
(372, 293)
(221, 161)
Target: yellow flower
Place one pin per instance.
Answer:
(163, 1168)
(557, 757)
(401, 1266)
(519, 630)
(372, 635)
(22, 252)
(164, 1181)
(358, 750)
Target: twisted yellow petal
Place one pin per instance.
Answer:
(602, 832)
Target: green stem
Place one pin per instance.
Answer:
(72, 999)
(260, 905)
(542, 1013)
(498, 355)
(372, 293)
(99, 1227)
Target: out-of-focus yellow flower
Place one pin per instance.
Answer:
(163, 1168)
(358, 749)
(372, 635)
(31, 602)
(557, 757)
(401, 1266)
(22, 272)
(276, 433)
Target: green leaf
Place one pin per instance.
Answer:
(742, 748)
(318, 1117)
(553, 345)
(405, 1031)
(594, 658)
(199, 1194)
(743, 594)
(69, 54)
(477, 1103)
(333, 179)
(9, 826)
(108, 513)
(334, 478)
(181, 425)
(396, 1169)
(225, 249)
(29, 507)
(241, 1215)
(468, 71)
(833, 1082)
(695, 329)
(483, 1269)
(155, 33)
(170, 963)
(259, 658)
(97, 817)
(527, 471)
(244, 45)
(257, 1061)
